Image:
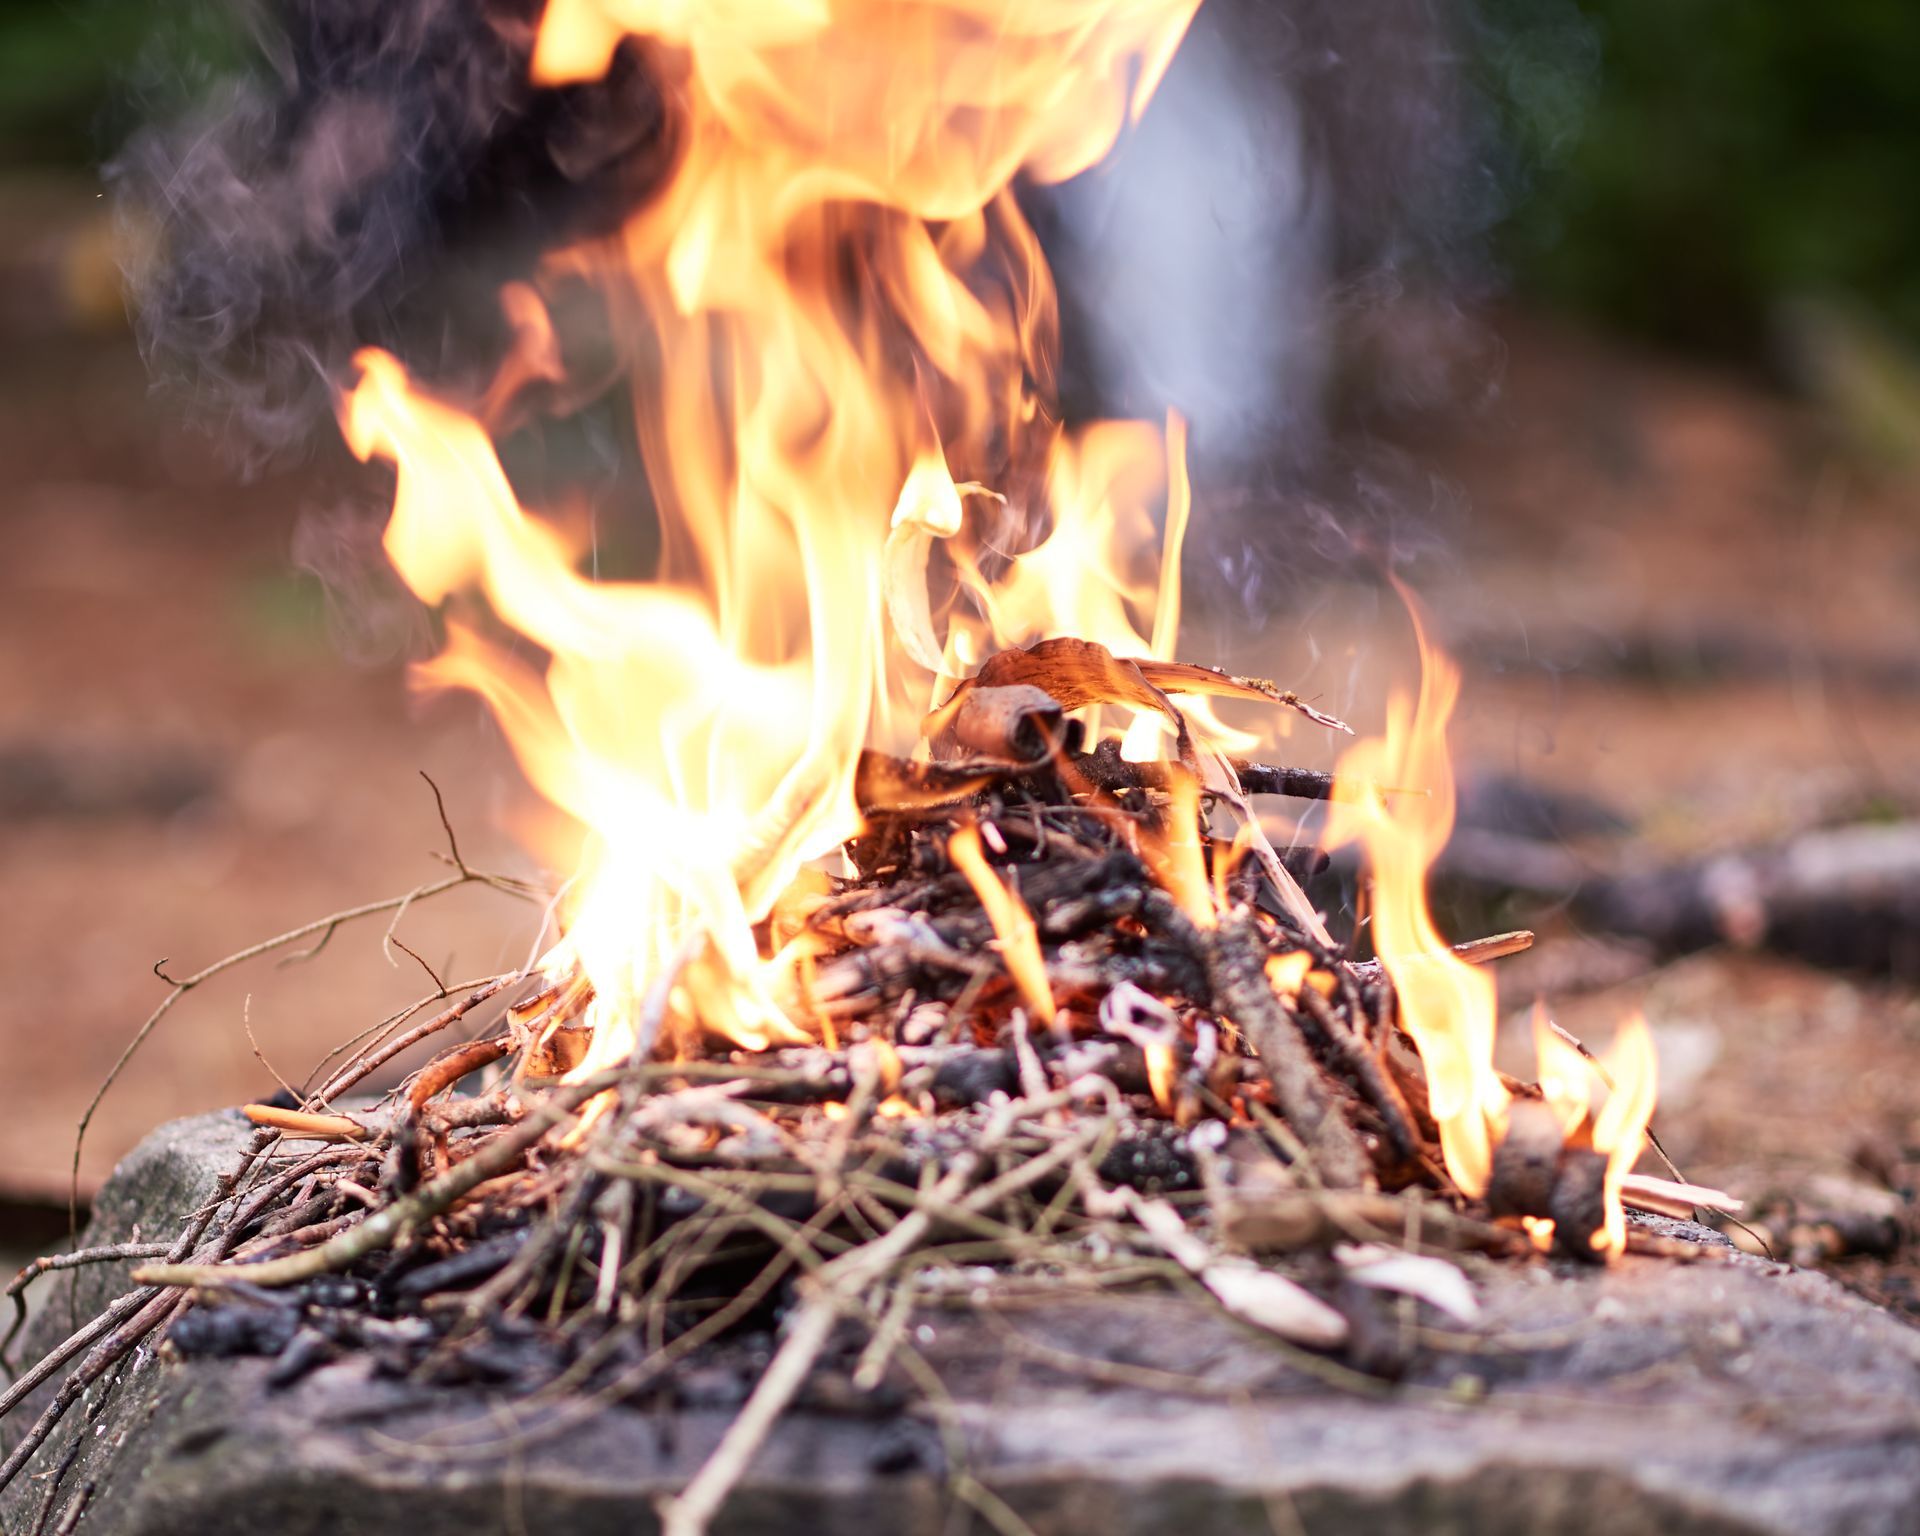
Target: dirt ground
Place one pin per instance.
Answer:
(1673, 593)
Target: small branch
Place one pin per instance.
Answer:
(691, 1511)
(414, 955)
(17, 1287)
(359, 1068)
(382, 1228)
(1236, 965)
(181, 987)
(151, 1310)
(1495, 946)
(446, 825)
(308, 1127)
(246, 1023)
(449, 1067)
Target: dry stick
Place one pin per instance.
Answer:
(1365, 1070)
(450, 1066)
(1236, 966)
(385, 1226)
(691, 1511)
(1495, 946)
(74, 1447)
(374, 1031)
(264, 1194)
(17, 1287)
(359, 1068)
(324, 926)
(28, 1380)
(828, 1293)
(418, 959)
(148, 1310)
(307, 1127)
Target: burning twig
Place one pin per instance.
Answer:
(1236, 965)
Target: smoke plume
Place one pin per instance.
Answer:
(375, 177)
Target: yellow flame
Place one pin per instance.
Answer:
(1446, 1005)
(704, 725)
(1620, 1129)
(1162, 1069)
(1287, 973)
(1563, 1074)
(1567, 1082)
(1012, 923)
(1177, 860)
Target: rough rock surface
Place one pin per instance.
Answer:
(1721, 1398)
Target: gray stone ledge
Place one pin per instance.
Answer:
(1728, 1398)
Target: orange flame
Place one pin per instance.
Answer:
(1163, 1067)
(1446, 1005)
(1620, 1129)
(1630, 1071)
(1012, 923)
(1288, 973)
(1177, 860)
(704, 726)
(1562, 1073)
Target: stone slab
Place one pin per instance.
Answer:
(1723, 1398)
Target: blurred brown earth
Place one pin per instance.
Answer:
(187, 764)
(1673, 593)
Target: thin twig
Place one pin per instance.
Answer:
(182, 986)
(382, 1228)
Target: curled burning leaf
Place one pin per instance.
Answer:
(1075, 673)
(1020, 725)
(1188, 677)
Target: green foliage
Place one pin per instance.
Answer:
(76, 76)
(1692, 162)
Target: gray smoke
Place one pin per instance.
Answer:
(382, 168)
(1288, 248)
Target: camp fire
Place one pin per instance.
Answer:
(841, 334)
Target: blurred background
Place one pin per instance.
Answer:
(1599, 320)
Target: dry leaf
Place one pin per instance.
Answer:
(1250, 1293)
(1188, 677)
(1434, 1281)
(1076, 673)
(1275, 1303)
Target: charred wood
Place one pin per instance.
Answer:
(1236, 966)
